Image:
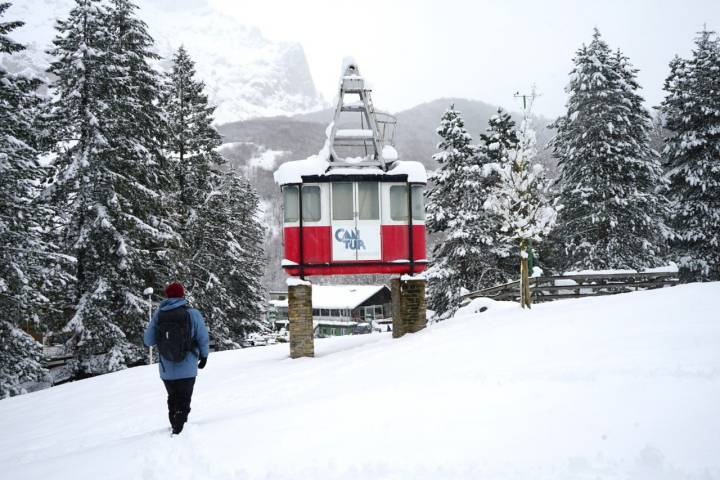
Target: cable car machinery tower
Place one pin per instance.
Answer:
(377, 129)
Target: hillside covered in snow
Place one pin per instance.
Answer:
(612, 387)
(246, 74)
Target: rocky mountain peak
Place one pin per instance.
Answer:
(246, 74)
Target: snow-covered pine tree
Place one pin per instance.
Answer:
(141, 171)
(20, 269)
(20, 360)
(499, 138)
(108, 183)
(496, 143)
(227, 261)
(522, 200)
(18, 172)
(222, 258)
(692, 114)
(191, 139)
(456, 153)
(610, 179)
(448, 200)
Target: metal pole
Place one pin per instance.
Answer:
(149, 291)
(411, 253)
(302, 246)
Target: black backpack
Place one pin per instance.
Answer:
(174, 334)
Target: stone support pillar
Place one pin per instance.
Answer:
(301, 320)
(408, 305)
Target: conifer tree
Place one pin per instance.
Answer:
(692, 115)
(500, 137)
(610, 178)
(447, 199)
(20, 360)
(18, 172)
(456, 153)
(192, 140)
(222, 257)
(495, 146)
(227, 261)
(21, 251)
(139, 130)
(108, 188)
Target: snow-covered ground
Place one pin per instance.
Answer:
(621, 387)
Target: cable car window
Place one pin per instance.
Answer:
(368, 201)
(311, 203)
(398, 202)
(290, 195)
(342, 201)
(418, 205)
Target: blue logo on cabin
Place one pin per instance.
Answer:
(351, 238)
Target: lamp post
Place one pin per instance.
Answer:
(149, 291)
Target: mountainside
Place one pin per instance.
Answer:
(416, 138)
(246, 75)
(614, 387)
(249, 146)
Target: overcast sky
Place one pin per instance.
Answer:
(416, 51)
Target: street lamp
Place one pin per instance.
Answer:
(149, 291)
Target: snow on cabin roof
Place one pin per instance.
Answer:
(319, 165)
(338, 296)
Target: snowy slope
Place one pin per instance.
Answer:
(611, 388)
(246, 74)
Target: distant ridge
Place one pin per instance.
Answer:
(415, 137)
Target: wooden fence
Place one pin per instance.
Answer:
(55, 357)
(545, 289)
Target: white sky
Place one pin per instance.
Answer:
(416, 51)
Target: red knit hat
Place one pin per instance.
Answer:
(175, 290)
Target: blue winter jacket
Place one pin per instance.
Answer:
(170, 370)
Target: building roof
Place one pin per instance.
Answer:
(338, 296)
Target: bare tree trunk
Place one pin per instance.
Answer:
(524, 276)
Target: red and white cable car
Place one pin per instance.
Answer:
(362, 208)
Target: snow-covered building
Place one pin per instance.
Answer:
(338, 309)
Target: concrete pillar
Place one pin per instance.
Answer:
(301, 320)
(408, 305)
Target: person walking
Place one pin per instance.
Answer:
(183, 345)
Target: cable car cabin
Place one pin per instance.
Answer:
(354, 224)
(354, 208)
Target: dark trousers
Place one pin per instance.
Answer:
(179, 396)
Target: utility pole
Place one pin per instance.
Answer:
(527, 100)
